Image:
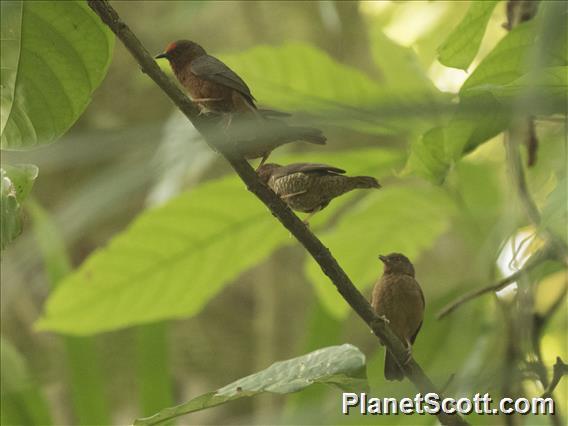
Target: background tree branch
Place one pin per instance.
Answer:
(277, 207)
(535, 260)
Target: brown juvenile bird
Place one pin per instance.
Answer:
(216, 88)
(310, 187)
(397, 296)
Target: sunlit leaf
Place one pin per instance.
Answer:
(298, 76)
(172, 260)
(395, 219)
(506, 80)
(54, 55)
(544, 91)
(168, 263)
(342, 366)
(461, 46)
(399, 67)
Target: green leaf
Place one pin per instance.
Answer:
(394, 219)
(555, 211)
(400, 67)
(172, 260)
(544, 91)
(461, 46)
(168, 263)
(16, 183)
(54, 55)
(87, 390)
(21, 399)
(22, 177)
(526, 69)
(341, 366)
(428, 157)
(298, 76)
(15, 375)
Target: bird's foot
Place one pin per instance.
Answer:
(262, 161)
(309, 216)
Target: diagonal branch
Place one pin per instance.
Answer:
(289, 220)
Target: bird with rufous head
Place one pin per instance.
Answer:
(216, 88)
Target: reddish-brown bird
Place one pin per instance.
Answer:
(397, 296)
(216, 88)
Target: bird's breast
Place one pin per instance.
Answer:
(399, 299)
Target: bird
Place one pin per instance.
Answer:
(310, 187)
(216, 88)
(398, 298)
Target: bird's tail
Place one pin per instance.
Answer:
(364, 182)
(392, 370)
(307, 134)
(271, 113)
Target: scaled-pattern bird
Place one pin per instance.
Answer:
(310, 187)
(397, 296)
(216, 88)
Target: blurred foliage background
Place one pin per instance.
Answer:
(172, 280)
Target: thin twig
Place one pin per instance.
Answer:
(535, 260)
(277, 207)
(560, 369)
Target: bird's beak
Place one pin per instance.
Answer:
(161, 55)
(383, 258)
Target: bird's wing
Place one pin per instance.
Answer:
(308, 168)
(422, 297)
(212, 69)
(413, 338)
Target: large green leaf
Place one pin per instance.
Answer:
(396, 219)
(545, 90)
(506, 81)
(15, 184)
(484, 112)
(172, 260)
(298, 76)
(461, 46)
(54, 55)
(400, 67)
(169, 262)
(342, 366)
